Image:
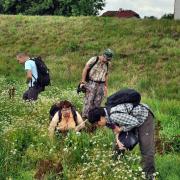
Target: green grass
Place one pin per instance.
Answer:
(146, 58)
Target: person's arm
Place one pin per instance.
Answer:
(117, 130)
(118, 142)
(53, 125)
(28, 68)
(84, 73)
(106, 85)
(81, 123)
(29, 75)
(127, 121)
(85, 70)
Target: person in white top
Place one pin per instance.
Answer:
(31, 75)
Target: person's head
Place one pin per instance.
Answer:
(65, 107)
(97, 116)
(22, 57)
(108, 55)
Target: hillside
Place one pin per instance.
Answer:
(146, 57)
(146, 52)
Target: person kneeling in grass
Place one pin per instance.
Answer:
(65, 118)
(141, 117)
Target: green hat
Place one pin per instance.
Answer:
(108, 54)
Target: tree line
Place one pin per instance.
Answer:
(52, 7)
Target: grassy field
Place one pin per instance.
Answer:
(147, 54)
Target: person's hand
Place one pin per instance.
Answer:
(119, 144)
(79, 127)
(117, 129)
(27, 81)
(82, 84)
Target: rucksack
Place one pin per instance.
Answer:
(128, 139)
(55, 108)
(43, 73)
(92, 65)
(124, 96)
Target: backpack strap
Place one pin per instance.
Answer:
(74, 114)
(97, 59)
(148, 110)
(92, 65)
(114, 112)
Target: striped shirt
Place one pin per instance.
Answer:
(126, 116)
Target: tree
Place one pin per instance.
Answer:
(150, 17)
(52, 7)
(168, 16)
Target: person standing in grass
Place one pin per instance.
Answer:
(95, 81)
(121, 120)
(31, 76)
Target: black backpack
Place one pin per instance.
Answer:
(92, 65)
(124, 96)
(43, 73)
(129, 139)
(55, 108)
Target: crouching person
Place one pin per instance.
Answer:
(64, 117)
(141, 117)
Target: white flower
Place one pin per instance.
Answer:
(78, 133)
(65, 149)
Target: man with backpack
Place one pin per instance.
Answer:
(126, 116)
(36, 73)
(94, 81)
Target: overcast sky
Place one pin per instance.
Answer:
(155, 8)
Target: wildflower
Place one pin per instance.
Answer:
(78, 133)
(65, 149)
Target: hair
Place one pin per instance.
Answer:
(95, 114)
(64, 104)
(22, 54)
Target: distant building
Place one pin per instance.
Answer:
(177, 9)
(121, 14)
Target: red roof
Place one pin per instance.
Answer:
(121, 14)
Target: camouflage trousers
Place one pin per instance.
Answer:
(93, 97)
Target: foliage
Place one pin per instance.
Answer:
(52, 7)
(168, 16)
(150, 17)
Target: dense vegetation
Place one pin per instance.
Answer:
(146, 58)
(52, 7)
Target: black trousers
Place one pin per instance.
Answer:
(32, 93)
(147, 145)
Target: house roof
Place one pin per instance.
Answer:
(121, 14)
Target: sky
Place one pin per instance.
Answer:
(155, 8)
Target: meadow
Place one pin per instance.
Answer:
(146, 57)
